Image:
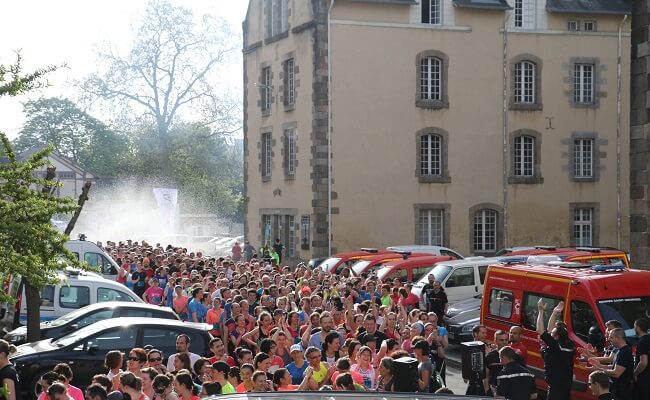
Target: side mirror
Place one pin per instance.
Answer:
(92, 350)
(113, 271)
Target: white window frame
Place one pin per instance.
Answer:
(266, 154)
(278, 16)
(583, 83)
(583, 226)
(291, 151)
(519, 13)
(291, 246)
(434, 12)
(573, 25)
(431, 79)
(431, 226)
(525, 75)
(589, 26)
(583, 158)
(485, 230)
(524, 156)
(266, 88)
(290, 83)
(431, 155)
(524, 14)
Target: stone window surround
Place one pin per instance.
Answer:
(263, 131)
(598, 82)
(500, 229)
(444, 80)
(283, 79)
(446, 219)
(444, 145)
(286, 127)
(596, 156)
(595, 221)
(537, 177)
(537, 104)
(269, 37)
(266, 112)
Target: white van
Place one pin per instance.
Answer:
(461, 279)
(433, 250)
(94, 256)
(77, 289)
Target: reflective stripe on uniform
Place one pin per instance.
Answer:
(520, 374)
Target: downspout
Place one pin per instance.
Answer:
(618, 134)
(504, 177)
(329, 128)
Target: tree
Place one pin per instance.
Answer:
(74, 133)
(30, 247)
(170, 70)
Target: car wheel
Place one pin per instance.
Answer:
(35, 387)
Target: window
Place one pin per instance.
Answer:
(431, 227)
(583, 83)
(582, 319)
(529, 317)
(266, 155)
(589, 26)
(451, 254)
(66, 175)
(461, 277)
(47, 296)
(482, 272)
(573, 25)
(108, 294)
(524, 156)
(525, 82)
(430, 155)
(304, 232)
(291, 243)
(265, 89)
(74, 296)
(266, 228)
(289, 82)
(161, 338)
(583, 226)
(290, 152)
(136, 312)
(431, 79)
(583, 158)
(98, 260)
(501, 303)
(431, 12)
(95, 317)
(519, 13)
(485, 231)
(277, 17)
(122, 338)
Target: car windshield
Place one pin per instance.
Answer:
(383, 271)
(329, 263)
(625, 310)
(68, 317)
(78, 335)
(440, 271)
(359, 267)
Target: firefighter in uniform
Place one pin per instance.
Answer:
(514, 382)
(558, 352)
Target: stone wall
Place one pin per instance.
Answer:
(639, 136)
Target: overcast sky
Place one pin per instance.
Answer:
(67, 31)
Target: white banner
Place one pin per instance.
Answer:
(167, 200)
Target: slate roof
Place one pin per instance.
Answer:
(483, 4)
(590, 6)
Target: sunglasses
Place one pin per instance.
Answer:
(134, 359)
(155, 359)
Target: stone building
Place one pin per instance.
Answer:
(471, 124)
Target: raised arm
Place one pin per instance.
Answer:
(541, 307)
(557, 312)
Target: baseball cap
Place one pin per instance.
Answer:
(295, 347)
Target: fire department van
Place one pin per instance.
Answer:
(592, 294)
(587, 255)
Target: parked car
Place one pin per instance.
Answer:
(89, 315)
(85, 348)
(371, 264)
(461, 279)
(410, 270)
(77, 289)
(337, 262)
(315, 262)
(463, 306)
(460, 326)
(432, 250)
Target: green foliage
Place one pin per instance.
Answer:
(29, 245)
(74, 133)
(17, 83)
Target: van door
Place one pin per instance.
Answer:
(72, 298)
(460, 284)
(106, 268)
(48, 295)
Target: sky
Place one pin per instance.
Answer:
(68, 31)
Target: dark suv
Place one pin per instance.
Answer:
(89, 315)
(85, 348)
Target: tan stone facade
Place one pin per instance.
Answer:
(424, 147)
